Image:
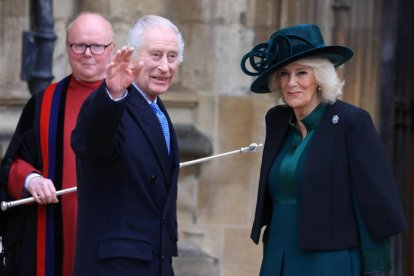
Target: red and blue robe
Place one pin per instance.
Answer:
(40, 239)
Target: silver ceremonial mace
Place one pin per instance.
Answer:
(253, 147)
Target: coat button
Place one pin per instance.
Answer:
(154, 179)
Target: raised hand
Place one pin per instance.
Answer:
(121, 72)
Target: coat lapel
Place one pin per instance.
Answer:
(174, 166)
(146, 119)
(276, 125)
(321, 147)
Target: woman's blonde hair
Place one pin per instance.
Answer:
(325, 75)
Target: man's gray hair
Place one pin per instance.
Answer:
(136, 34)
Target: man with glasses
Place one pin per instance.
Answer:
(40, 238)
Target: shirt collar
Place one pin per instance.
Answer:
(313, 119)
(143, 94)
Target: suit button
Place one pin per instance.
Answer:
(163, 257)
(154, 179)
(164, 218)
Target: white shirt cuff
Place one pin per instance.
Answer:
(29, 177)
(118, 99)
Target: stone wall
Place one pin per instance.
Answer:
(211, 101)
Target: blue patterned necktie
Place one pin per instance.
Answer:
(164, 124)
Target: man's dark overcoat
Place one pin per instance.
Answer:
(127, 188)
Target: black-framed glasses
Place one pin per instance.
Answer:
(96, 49)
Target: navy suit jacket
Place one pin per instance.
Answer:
(342, 159)
(127, 188)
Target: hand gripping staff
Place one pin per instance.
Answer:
(252, 147)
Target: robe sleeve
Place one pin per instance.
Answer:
(18, 172)
(23, 155)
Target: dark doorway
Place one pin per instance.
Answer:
(397, 131)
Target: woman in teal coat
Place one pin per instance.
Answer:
(326, 191)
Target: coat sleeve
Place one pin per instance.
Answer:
(375, 187)
(95, 134)
(375, 256)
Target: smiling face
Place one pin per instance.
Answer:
(299, 88)
(159, 53)
(89, 29)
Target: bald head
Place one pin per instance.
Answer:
(88, 29)
(92, 22)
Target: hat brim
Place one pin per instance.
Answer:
(336, 54)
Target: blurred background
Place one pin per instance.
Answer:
(214, 111)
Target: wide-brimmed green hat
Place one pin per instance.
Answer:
(285, 46)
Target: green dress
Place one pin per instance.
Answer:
(282, 254)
